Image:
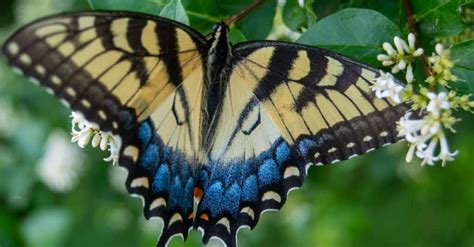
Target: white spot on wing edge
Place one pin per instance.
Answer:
(85, 103)
(13, 48)
(271, 195)
(71, 91)
(140, 182)
(352, 156)
(335, 161)
(25, 59)
(49, 90)
(291, 171)
(34, 80)
(56, 80)
(225, 222)
(175, 218)
(132, 152)
(40, 69)
(17, 70)
(65, 102)
(159, 202)
(307, 166)
(249, 212)
(367, 138)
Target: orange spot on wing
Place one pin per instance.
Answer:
(191, 216)
(197, 193)
(204, 217)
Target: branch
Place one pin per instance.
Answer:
(412, 24)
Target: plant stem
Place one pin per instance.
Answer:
(412, 25)
(244, 12)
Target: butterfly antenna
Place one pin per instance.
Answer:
(220, 10)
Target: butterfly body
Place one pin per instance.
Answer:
(234, 127)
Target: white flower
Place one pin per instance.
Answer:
(82, 132)
(402, 57)
(439, 49)
(60, 165)
(437, 103)
(424, 136)
(114, 148)
(445, 154)
(386, 87)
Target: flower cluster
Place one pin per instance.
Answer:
(441, 65)
(82, 132)
(386, 87)
(433, 99)
(424, 134)
(402, 57)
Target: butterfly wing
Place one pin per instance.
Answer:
(137, 76)
(285, 108)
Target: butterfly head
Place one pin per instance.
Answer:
(220, 28)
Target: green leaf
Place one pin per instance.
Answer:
(463, 56)
(153, 7)
(293, 15)
(174, 10)
(203, 14)
(236, 36)
(258, 23)
(439, 18)
(296, 17)
(357, 33)
(392, 9)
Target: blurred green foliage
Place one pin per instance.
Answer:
(372, 200)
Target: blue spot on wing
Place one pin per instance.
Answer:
(231, 199)
(283, 153)
(145, 133)
(268, 173)
(212, 198)
(150, 156)
(250, 189)
(305, 145)
(204, 178)
(162, 179)
(176, 193)
(188, 193)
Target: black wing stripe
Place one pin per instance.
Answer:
(135, 28)
(167, 38)
(346, 122)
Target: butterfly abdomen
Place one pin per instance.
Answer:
(218, 58)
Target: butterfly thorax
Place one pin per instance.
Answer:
(218, 56)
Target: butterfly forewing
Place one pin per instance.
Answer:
(102, 63)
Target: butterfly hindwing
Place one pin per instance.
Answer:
(286, 107)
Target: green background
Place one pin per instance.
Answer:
(373, 200)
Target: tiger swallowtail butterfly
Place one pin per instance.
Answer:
(233, 127)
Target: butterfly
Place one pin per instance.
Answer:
(230, 128)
